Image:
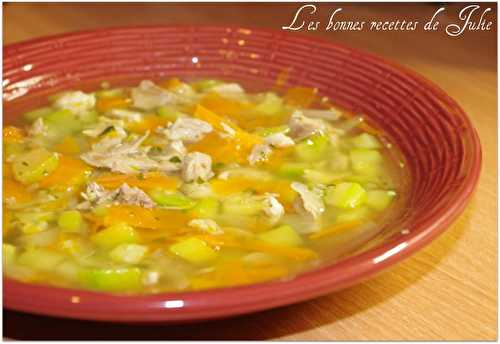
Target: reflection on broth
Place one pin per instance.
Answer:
(177, 185)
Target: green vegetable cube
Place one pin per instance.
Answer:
(70, 221)
(356, 214)
(193, 250)
(115, 235)
(33, 115)
(313, 148)
(128, 253)
(345, 195)
(205, 85)
(168, 112)
(40, 259)
(171, 200)
(270, 105)
(69, 270)
(34, 165)
(206, 208)
(281, 236)
(117, 279)
(367, 141)
(8, 254)
(379, 199)
(365, 161)
(292, 170)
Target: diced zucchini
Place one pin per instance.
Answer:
(128, 253)
(365, 161)
(193, 250)
(205, 85)
(88, 116)
(113, 279)
(75, 245)
(34, 227)
(206, 208)
(40, 259)
(345, 195)
(379, 199)
(282, 236)
(115, 235)
(168, 112)
(356, 214)
(69, 270)
(33, 115)
(171, 200)
(40, 239)
(320, 177)
(367, 141)
(292, 170)
(242, 205)
(313, 148)
(35, 216)
(270, 105)
(62, 123)
(8, 254)
(263, 132)
(114, 92)
(34, 165)
(339, 162)
(70, 221)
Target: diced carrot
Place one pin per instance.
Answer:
(170, 84)
(222, 150)
(240, 184)
(69, 172)
(12, 134)
(156, 218)
(146, 181)
(301, 96)
(282, 78)
(150, 123)
(16, 190)
(68, 145)
(218, 123)
(224, 106)
(335, 229)
(108, 103)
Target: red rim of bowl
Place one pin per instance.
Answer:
(202, 305)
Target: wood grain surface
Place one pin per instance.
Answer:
(446, 291)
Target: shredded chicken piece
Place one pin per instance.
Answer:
(331, 114)
(273, 208)
(228, 131)
(197, 166)
(310, 202)
(147, 96)
(206, 225)
(96, 195)
(38, 128)
(188, 129)
(279, 140)
(121, 156)
(197, 190)
(259, 153)
(103, 124)
(77, 102)
(170, 159)
(302, 126)
(230, 90)
(127, 115)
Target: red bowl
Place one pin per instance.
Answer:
(440, 145)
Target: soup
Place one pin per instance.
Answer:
(176, 186)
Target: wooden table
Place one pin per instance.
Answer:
(446, 291)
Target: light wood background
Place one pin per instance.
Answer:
(446, 291)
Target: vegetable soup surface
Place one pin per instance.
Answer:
(180, 186)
